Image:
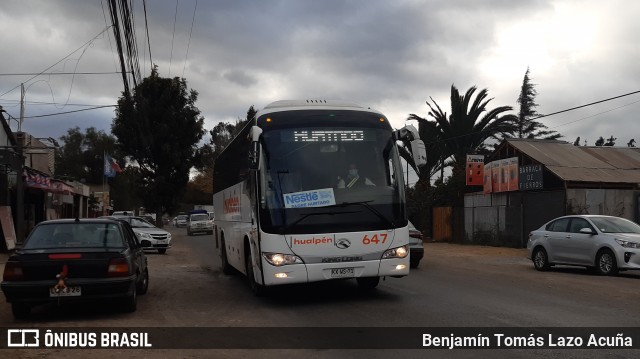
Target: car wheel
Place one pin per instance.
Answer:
(541, 259)
(606, 263)
(20, 310)
(257, 289)
(414, 264)
(143, 285)
(162, 250)
(130, 303)
(368, 283)
(226, 267)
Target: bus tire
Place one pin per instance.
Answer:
(226, 267)
(368, 283)
(258, 289)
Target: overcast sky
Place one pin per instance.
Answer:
(389, 55)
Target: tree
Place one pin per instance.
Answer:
(221, 135)
(429, 134)
(631, 143)
(600, 141)
(81, 156)
(470, 124)
(577, 141)
(159, 128)
(528, 127)
(465, 131)
(611, 141)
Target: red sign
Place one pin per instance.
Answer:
(475, 170)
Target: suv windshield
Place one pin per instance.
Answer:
(74, 235)
(200, 217)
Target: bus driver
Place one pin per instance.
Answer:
(353, 179)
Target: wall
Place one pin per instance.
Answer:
(505, 219)
(611, 202)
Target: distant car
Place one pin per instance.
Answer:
(159, 238)
(416, 248)
(605, 244)
(123, 213)
(181, 220)
(67, 261)
(199, 223)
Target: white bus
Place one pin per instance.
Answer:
(291, 209)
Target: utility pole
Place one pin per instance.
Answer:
(20, 170)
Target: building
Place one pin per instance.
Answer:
(554, 178)
(43, 195)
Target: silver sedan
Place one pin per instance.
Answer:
(604, 244)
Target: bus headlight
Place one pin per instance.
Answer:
(399, 252)
(279, 259)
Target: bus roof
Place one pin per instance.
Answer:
(293, 105)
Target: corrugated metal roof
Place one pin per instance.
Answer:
(583, 164)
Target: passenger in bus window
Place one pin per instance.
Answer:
(353, 179)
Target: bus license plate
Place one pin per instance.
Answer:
(66, 292)
(342, 272)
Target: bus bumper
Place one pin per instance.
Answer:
(304, 273)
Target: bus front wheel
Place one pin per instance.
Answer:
(368, 283)
(257, 289)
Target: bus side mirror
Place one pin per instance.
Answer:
(254, 151)
(419, 153)
(410, 137)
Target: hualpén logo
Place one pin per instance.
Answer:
(343, 243)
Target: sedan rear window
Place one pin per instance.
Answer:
(559, 225)
(75, 235)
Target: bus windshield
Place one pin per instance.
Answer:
(354, 167)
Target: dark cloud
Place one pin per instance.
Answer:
(390, 55)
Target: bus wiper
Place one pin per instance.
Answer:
(304, 216)
(366, 205)
(283, 211)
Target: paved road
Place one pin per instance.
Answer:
(455, 286)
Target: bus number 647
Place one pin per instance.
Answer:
(368, 240)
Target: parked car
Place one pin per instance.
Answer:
(181, 220)
(158, 237)
(199, 223)
(416, 248)
(67, 261)
(605, 244)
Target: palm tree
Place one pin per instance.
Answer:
(429, 134)
(469, 125)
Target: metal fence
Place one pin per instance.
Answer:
(505, 219)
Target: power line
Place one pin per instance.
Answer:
(555, 113)
(63, 113)
(64, 58)
(589, 104)
(594, 115)
(115, 66)
(175, 16)
(60, 73)
(146, 25)
(49, 103)
(189, 42)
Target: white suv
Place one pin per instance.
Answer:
(199, 222)
(159, 238)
